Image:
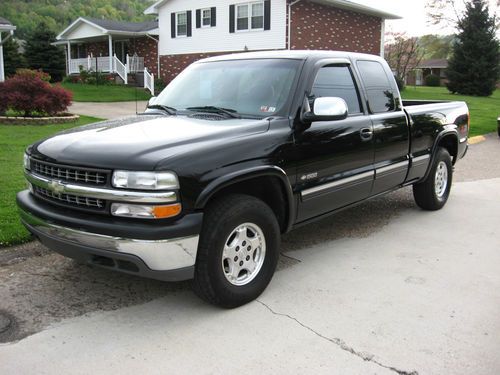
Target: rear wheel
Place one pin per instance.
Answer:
(238, 251)
(432, 193)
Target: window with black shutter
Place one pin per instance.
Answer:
(250, 16)
(205, 17)
(181, 24)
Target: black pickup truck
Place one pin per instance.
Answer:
(235, 151)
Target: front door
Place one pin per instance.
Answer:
(121, 50)
(335, 165)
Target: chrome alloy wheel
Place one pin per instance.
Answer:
(244, 253)
(441, 179)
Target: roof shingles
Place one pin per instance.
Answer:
(134, 27)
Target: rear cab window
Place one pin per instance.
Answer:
(379, 90)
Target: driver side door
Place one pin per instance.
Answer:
(335, 158)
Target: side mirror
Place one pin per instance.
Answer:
(327, 109)
(152, 100)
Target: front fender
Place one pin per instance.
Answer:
(247, 174)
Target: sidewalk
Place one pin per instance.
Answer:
(107, 110)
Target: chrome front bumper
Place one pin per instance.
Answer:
(151, 258)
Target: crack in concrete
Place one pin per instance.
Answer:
(368, 357)
(290, 257)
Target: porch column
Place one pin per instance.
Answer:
(110, 47)
(2, 73)
(68, 54)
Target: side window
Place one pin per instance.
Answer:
(379, 91)
(337, 81)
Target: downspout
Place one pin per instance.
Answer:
(157, 52)
(382, 38)
(290, 21)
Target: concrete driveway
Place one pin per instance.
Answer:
(107, 110)
(383, 288)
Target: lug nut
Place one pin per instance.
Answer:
(249, 248)
(248, 258)
(235, 259)
(244, 243)
(241, 263)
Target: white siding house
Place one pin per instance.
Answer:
(219, 37)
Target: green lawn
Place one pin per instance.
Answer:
(13, 141)
(105, 93)
(483, 111)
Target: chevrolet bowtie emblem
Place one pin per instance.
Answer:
(56, 186)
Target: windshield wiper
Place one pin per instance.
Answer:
(210, 108)
(170, 110)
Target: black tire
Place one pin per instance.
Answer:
(222, 217)
(425, 193)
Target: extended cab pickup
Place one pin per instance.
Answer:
(235, 151)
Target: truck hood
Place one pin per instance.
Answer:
(141, 142)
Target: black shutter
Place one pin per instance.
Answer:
(212, 16)
(267, 15)
(188, 14)
(172, 25)
(198, 18)
(231, 18)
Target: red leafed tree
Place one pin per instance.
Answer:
(29, 93)
(403, 54)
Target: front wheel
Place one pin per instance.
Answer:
(432, 193)
(238, 251)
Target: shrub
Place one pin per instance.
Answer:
(432, 80)
(27, 93)
(30, 73)
(159, 85)
(91, 77)
(400, 82)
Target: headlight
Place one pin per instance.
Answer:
(145, 211)
(26, 161)
(145, 180)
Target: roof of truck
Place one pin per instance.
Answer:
(293, 54)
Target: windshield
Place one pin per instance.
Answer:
(246, 87)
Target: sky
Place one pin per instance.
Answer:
(415, 20)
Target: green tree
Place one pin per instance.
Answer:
(12, 58)
(41, 54)
(474, 66)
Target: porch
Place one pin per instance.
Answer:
(121, 48)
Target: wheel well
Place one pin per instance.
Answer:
(450, 143)
(269, 189)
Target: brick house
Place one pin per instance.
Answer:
(188, 30)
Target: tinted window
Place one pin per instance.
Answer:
(250, 87)
(336, 81)
(379, 91)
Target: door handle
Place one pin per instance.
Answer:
(366, 134)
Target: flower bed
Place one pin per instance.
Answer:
(63, 118)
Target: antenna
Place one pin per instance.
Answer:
(135, 90)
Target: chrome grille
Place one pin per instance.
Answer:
(69, 199)
(69, 173)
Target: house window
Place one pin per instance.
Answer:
(206, 17)
(181, 24)
(250, 16)
(258, 16)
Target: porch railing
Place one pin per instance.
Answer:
(120, 69)
(149, 81)
(133, 64)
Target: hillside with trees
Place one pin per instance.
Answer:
(58, 14)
